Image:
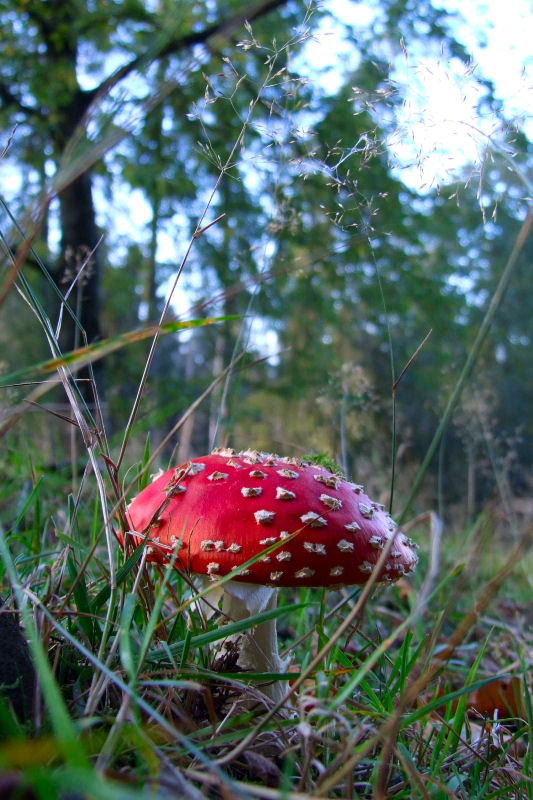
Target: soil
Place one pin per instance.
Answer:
(17, 676)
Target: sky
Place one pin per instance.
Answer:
(440, 128)
(499, 36)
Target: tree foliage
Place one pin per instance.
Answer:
(164, 110)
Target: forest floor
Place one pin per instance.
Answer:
(427, 694)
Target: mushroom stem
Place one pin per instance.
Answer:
(254, 650)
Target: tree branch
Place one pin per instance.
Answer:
(224, 27)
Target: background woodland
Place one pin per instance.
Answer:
(129, 127)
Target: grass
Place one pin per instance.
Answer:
(381, 693)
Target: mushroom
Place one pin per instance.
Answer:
(303, 525)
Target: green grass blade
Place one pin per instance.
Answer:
(127, 657)
(31, 498)
(156, 610)
(231, 628)
(121, 575)
(185, 741)
(81, 596)
(145, 477)
(83, 356)
(440, 702)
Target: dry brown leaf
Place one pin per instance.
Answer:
(262, 769)
(502, 696)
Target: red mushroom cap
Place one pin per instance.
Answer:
(228, 507)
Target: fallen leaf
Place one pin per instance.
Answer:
(262, 769)
(502, 696)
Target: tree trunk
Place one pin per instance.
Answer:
(80, 262)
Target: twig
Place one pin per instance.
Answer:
(404, 370)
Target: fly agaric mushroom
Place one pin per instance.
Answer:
(303, 525)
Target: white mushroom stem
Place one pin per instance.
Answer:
(258, 646)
